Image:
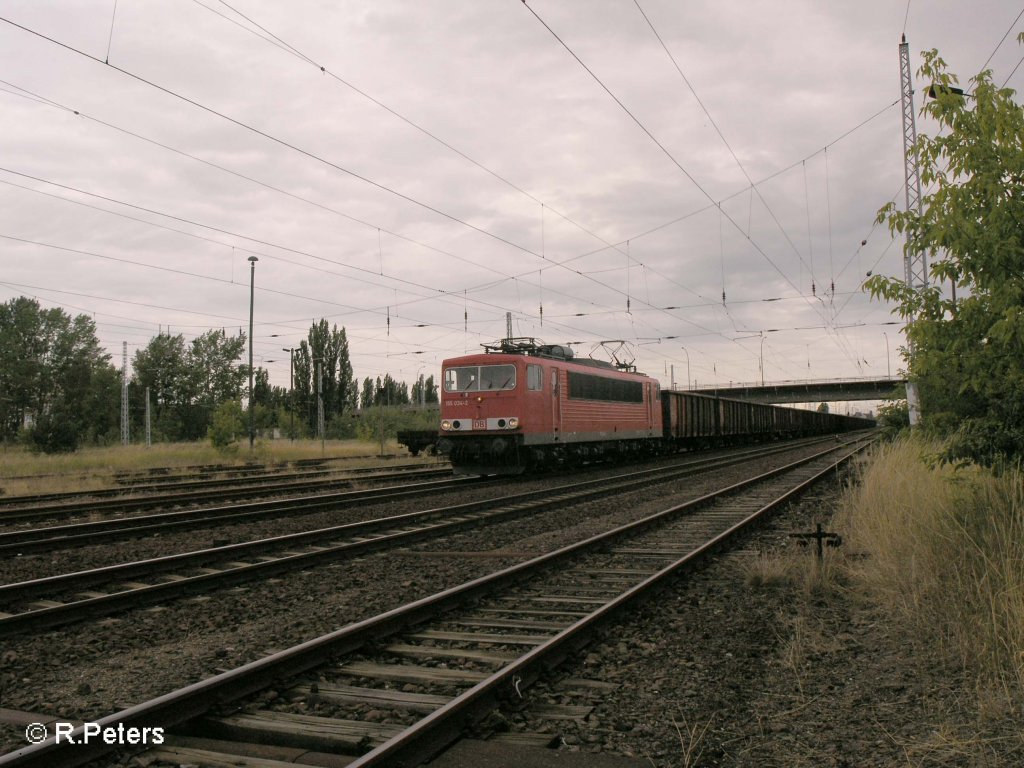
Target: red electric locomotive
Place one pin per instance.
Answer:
(522, 404)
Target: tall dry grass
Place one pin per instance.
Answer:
(943, 550)
(24, 472)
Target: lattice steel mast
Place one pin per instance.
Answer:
(915, 260)
(125, 436)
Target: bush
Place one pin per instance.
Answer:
(55, 432)
(342, 427)
(943, 549)
(227, 425)
(395, 418)
(988, 442)
(893, 417)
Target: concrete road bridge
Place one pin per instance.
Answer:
(811, 391)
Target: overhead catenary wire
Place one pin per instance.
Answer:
(270, 137)
(1000, 43)
(527, 249)
(663, 149)
(275, 39)
(291, 146)
(431, 293)
(279, 42)
(721, 136)
(659, 144)
(349, 309)
(547, 267)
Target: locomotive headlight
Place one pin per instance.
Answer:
(513, 422)
(446, 425)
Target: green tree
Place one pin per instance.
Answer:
(262, 392)
(424, 391)
(54, 372)
(322, 360)
(390, 392)
(102, 406)
(367, 395)
(216, 376)
(187, 383)
(162, 367)
(352, 397)
(227, 425)
(893, 416)
(968, 352)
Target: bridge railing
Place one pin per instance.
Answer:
(894, 380)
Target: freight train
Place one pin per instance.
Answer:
(522, 405)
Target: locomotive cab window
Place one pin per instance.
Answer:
(534, 377)
(477, 378)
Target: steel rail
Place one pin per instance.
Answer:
(481, 513)
(194, 700)
(129, 482)
(112, 501)
(49, 538)
(426, 737)
(80, 534)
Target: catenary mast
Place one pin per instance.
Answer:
(915, 260)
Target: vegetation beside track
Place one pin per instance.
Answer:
(942, 550)
(26, 472)
(935, 554)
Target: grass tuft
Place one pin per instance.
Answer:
(942, 549)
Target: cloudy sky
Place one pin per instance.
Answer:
(414, 171)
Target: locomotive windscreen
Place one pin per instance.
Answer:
(473, 378)
(586, 386)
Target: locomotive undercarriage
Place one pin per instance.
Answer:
(506, 454)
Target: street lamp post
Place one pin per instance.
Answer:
(760, 356)
(762, 359)
(252, 293)
(888, 369)
(291, 386)
(687, 367)
(318, 372)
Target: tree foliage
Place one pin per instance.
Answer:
(968, 353)
(216, 376)
(227, 425)
(55, 376)
(188, 382)
(893, 416)
(424, 391)
(322, 366)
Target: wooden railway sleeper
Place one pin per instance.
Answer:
(438, 727)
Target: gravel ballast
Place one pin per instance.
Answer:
(716, 672)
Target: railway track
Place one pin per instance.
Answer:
(29, 509)
(51, 538)
(64, 599)
(455, 654)
(196, 477)
(26, 540)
